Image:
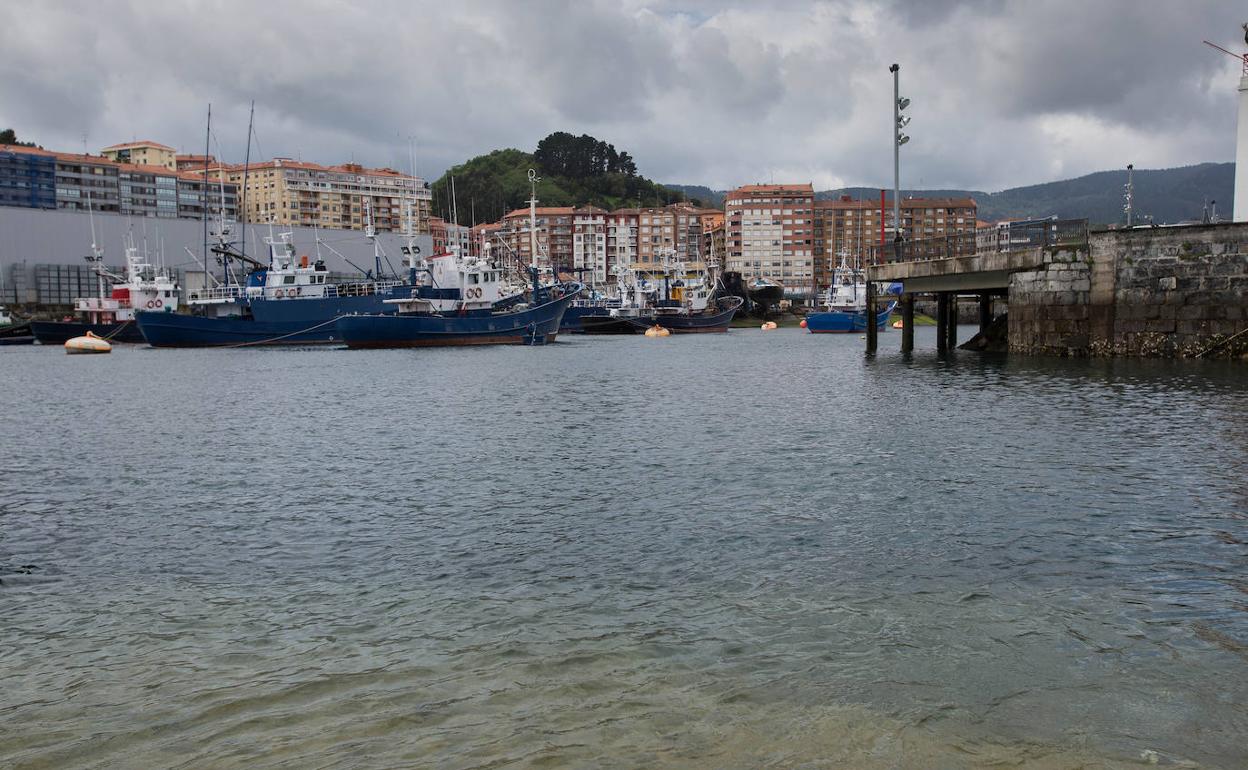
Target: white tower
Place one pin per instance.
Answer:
(1241, 135)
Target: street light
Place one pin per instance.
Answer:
(899, 122)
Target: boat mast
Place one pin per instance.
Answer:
(97, 254)
(533, 180)
(370, 232)
(246, 168)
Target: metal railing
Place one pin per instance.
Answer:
(1049, 233)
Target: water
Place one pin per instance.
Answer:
(749, 550)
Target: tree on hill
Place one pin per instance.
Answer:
(9, 136)
(574, 171)
(578, 157)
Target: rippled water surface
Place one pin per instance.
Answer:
(747, 550)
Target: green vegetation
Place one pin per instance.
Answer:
(9, 136)
(574, 171)
(919, 319)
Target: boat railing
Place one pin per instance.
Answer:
(218, 294)
(361, 289)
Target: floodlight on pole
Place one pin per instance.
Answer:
(899, 122)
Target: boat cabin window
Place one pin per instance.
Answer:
(473, 278)
(288, 279)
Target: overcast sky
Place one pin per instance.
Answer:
(1005, 93)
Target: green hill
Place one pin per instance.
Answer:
(1168, 195)
(574, 171)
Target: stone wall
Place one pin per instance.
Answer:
(1049, 308)
(1166, 291)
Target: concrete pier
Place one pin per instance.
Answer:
(1163, 291)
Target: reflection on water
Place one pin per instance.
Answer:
(742, 551)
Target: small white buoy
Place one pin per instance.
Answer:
(769, 326)
(89, 343)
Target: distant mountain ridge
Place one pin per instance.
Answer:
(1167, 195)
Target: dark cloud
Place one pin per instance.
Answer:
(1004, 92)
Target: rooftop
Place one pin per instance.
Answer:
(136, 145)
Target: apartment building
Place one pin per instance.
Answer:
(554, 235)
(770, 233)
(589, 244)
(854, 226)
(713, 236)
(290, 192)
(35, 178)
(674, 230)
(145, 153)
(27, 178)
(622, 234)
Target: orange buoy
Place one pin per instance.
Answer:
(803, 323)
(88, 343)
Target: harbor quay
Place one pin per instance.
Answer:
(1170, 292)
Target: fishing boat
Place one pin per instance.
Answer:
(478, 319)
(417, 324)
(111, 315)
(844, 304)
(680, 300)
(289, 301)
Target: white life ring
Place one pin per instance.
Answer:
(159, 304)
(150, 304)
(279, 293)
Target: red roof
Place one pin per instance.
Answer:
(774, 189)
(145, 143)
(542, 211)
(345, 168)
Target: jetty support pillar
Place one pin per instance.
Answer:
(951, 321)
(985, 311)
(907, 323)
(872, 329)
(942, 322)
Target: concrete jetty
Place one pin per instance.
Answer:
(1169, 291)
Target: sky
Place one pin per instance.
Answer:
(1003, 93)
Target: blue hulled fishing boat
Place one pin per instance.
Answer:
(479, 319)
(845, 304)
(290, 301)
(417, 325)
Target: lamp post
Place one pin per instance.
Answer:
(899, 122)
(1128, 195)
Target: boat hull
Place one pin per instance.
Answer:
(845, 322)
(16, 334)
(573, 318)
(606, 324)
(273, 322)
(60, 332)
(535, 326)
(696, 323)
